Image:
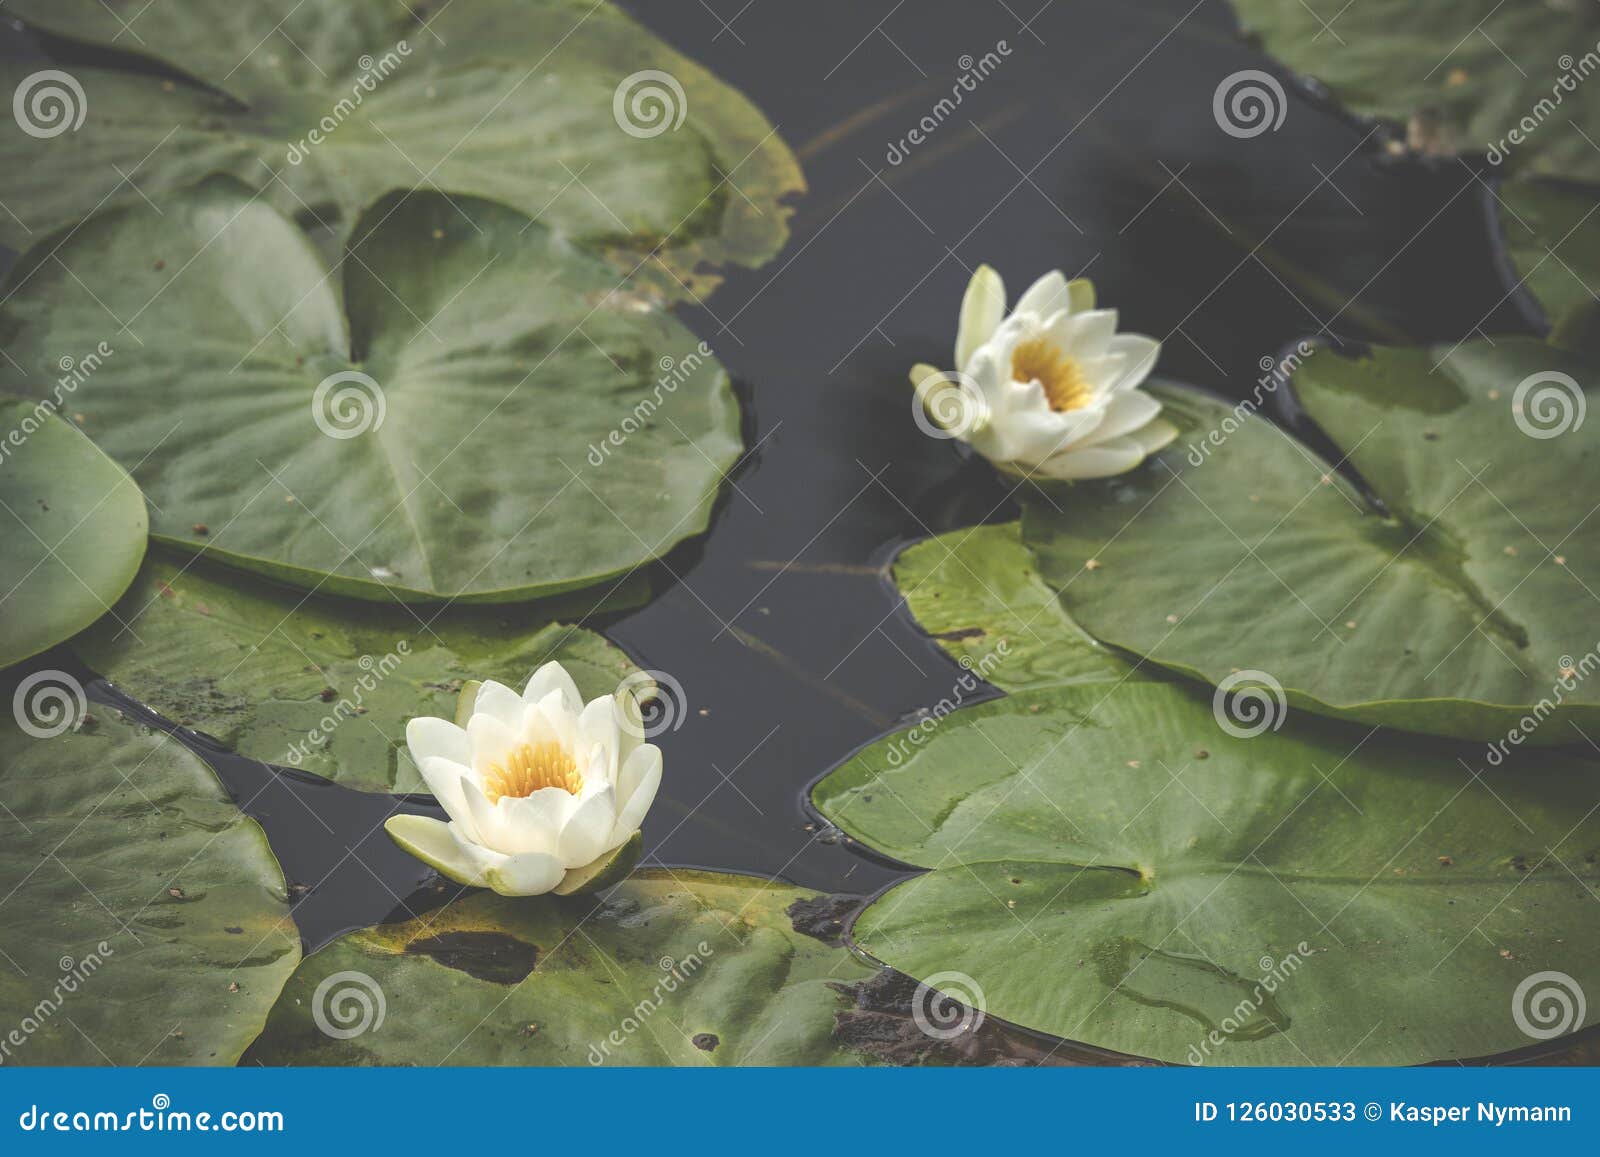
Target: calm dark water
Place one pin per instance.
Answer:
(1091, 147)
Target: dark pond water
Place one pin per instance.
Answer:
(1092, 147)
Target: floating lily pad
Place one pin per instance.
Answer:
(978, 593)
(1463, 75)
(1462, 606)
(1552, 234)
(144, 919)
(679, 968)
(317, 683)
(1110, 866)
(75, 530)
(480, 419)
(322, 106)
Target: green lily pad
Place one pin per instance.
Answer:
(75, 530)
(424, 439)
(317, 683)
(1552, 235)
(1113, 868)
(978, 593)
(679, 968)
(322, 106)
(1465, 76)
(1462, 607)
(144, 919)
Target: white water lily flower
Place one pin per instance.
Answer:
(536, 785)
(1050, 391)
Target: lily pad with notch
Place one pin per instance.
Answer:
(323, 684)
(1108, 864)
(146, 920)
(323, 106)
(418, 440)
(1456, 596)
(1464, 76)
(674, 967)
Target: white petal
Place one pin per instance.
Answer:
(1155, 436)
(1046, 297)
(1117, 456)
(631, 814)
(563, 717)
(1030, 436)
(644, 762)
(491, 740)
(597, 727)
(427, 736)
(533, 823)
(481, 824)
(436, 844)
(500, 702)
(1084, 335)
(983, 308)
(443, 777)
(553, 677)
(532, 874)
(1126, 412)
(1141, 353)
(588, 828)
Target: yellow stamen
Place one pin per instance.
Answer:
(529, 768)
(1040, 360)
